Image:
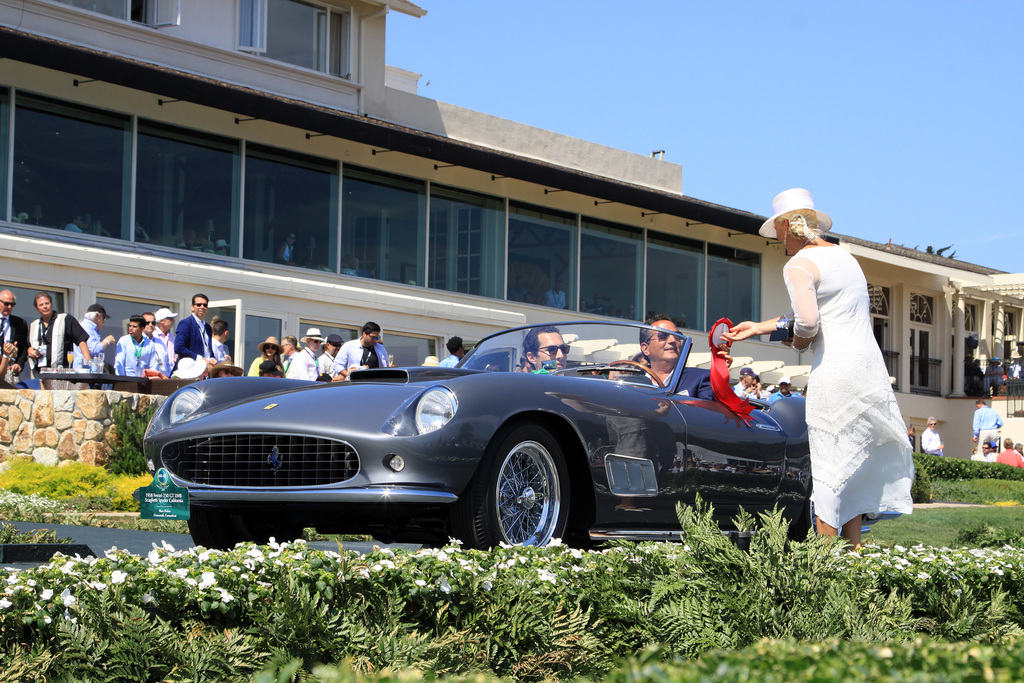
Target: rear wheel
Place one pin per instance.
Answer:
(520, 494)
(223, 530)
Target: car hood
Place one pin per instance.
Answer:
(360, 407)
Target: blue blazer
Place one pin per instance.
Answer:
(696, 382)
(188, 340)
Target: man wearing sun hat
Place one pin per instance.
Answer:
(162, 335)
(785, 386)
(304, 363)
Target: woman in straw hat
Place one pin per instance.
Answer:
(861, 461)
(269, 350)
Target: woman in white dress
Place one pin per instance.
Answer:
(861, 461)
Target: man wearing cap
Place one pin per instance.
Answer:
(13, 329)
(194, 337)
(456, 350)
(162, 335)
(325, 363)
(45, 352)
(745, 387)
(785, 385)
(303, 363)
(93, 321)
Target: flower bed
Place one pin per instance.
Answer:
(521, 612)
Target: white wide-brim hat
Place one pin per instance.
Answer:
(791, 200)
(314, 334)
(189, 368)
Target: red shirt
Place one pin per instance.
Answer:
(1010, 457)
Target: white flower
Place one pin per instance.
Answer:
(487, 585)
(444, 585)
(46, 594)
(225, 597)
(420, 582)
(208, 580)
(5, 603)
(98, 585)
(546, 575)
(118, 576)
(67, 598)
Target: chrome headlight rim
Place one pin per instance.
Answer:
(185, 405)
(435, 408)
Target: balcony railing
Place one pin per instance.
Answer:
(892, 364)
(925, 375)
(1015, 397)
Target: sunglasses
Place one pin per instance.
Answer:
(663, 336)
(8, 303)
(202, 305)
(554, 349)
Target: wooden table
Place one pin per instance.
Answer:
(96, 380)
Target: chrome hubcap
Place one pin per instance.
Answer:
(528, 495)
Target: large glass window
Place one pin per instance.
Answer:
(611, 269)
(408, 351)
(734, 284)
(112, 8)
(384, 219)
(71, 167)
(291, 209)
(541, 252)
(675, 279)
(5, 119)
(258, 328)
(25, 295)
(467, 242)
(299, 33)
(150, 12)
(186, 190)
(120, 309)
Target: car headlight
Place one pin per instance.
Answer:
(435, 409)
(184, 404)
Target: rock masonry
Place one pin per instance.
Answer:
(58, 427)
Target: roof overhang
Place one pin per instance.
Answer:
(248, 102)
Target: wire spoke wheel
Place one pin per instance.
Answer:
(520, 494)
(527, 495)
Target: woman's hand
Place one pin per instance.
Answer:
(748, 329)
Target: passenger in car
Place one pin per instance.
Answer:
(543, 345)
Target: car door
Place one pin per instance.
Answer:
(730, 461)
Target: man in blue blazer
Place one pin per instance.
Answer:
(194, 337)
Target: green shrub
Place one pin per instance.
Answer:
(921, 490)
(11, 534)
(951, 469)
(126, 454)
(83, 487)
(989, 536)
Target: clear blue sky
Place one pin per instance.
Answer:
(904, 119)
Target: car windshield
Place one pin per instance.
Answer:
(602, 350)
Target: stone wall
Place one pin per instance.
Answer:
(57, 427)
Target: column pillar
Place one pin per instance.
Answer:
(959, 335)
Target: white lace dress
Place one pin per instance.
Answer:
(861, 459)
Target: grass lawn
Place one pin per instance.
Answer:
(940, 526)
(982, 491)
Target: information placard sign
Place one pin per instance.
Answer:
(163, 499)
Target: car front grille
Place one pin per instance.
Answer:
(261, 460)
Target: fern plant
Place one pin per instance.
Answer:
(126, 454)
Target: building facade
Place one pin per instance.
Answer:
(262, 152)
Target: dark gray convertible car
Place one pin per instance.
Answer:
(541, 432)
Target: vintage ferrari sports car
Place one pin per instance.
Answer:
(558, 431)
